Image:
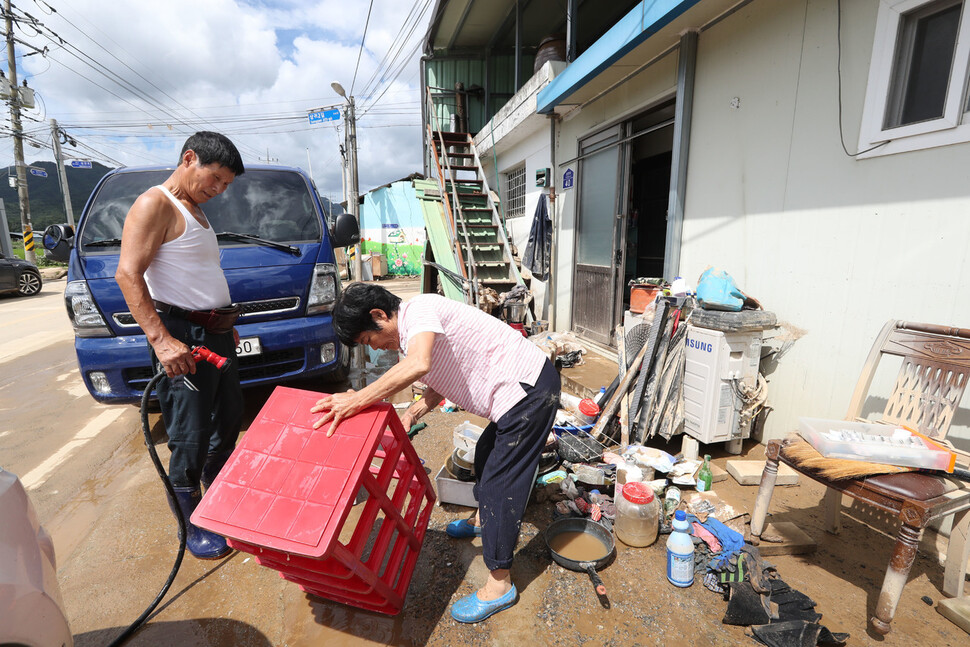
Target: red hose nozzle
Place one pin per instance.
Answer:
(201, 353)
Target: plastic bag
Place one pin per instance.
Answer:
(716, 290)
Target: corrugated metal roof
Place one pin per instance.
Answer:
(480, 25)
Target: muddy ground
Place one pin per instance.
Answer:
(116, 545)
(119, 565)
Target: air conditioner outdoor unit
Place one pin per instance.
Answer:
(715, 363)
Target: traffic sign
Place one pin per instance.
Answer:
(77, 163)
(325, 115)
(39, 172)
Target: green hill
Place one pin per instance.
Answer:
(46, 200)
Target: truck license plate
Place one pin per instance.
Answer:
(248, 346)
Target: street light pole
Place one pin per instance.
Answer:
(351, 190)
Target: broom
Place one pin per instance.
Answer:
(801, 453)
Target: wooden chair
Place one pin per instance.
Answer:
(927, 392)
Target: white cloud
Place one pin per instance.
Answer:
(186, 65)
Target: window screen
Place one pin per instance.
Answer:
(514, 197)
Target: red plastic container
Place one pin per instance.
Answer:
(287, 496)
(642, 295)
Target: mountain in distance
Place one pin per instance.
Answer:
(47, 202)
(44, 193)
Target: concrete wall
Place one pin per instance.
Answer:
(392, 224)
(533, 151)
(834, 245)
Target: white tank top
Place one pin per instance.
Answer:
(185, 271)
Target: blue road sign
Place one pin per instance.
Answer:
(323, 116)
(39, 172)
(567, 179)
(79, 164)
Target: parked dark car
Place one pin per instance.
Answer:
(19, 276)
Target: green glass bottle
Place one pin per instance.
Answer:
(704, 476)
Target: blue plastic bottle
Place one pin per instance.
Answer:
(680, 552)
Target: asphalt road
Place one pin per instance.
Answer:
(54, 434)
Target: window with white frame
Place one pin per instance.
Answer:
(917, 93)
(514, 197)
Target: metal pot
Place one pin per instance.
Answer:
(514, 311)
(590, 527)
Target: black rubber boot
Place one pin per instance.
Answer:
(200, 542)
(213, 465)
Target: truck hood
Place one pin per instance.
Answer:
(253, 273)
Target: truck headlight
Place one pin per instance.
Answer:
(83, 311)
(323, 289)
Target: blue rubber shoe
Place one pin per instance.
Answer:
(463, 529)
(471, 609)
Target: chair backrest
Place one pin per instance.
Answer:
(931, 380)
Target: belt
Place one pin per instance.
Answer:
(217, 321)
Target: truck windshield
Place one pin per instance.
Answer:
(272, 205)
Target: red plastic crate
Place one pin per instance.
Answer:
(287, 496)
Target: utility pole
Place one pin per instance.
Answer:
(18, 142)
(352, 187)
(62, 172)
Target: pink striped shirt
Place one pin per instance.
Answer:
(477, 361)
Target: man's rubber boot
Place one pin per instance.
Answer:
(200, 542)
(213, 465)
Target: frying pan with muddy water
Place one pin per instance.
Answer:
(582, 545)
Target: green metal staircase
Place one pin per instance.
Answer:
(479, 241)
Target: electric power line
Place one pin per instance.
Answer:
(361, 50)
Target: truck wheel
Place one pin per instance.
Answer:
(29, 283)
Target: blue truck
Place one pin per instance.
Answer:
(277, 252)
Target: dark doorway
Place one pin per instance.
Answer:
(651, 155)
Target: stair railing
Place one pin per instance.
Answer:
(499, 226)
(454, 201)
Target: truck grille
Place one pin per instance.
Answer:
(267, 365)
(249, 309)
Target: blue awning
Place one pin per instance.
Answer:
(643, 21)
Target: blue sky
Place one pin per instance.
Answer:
(132, 79)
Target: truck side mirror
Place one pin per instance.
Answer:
(345, 231)
(58, 241)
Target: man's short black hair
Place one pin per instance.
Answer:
(351, 314)
(214, 148)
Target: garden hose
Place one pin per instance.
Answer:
(200, 353)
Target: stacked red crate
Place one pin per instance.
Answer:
(287, 495)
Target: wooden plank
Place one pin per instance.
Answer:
(717, 474)
(793, 540)
(749, 472)
(956, 610)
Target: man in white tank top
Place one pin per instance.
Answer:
(170, 276)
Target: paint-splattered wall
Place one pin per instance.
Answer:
(392, 224)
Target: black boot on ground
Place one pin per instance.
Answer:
(213, 465)
(200, 542)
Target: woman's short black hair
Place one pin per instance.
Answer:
(351, 314)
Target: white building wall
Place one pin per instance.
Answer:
(533, 151)
(834, 245)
